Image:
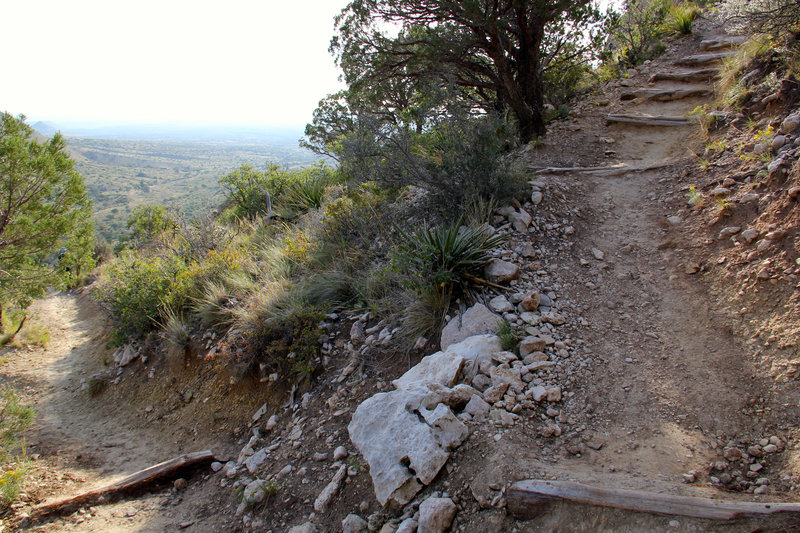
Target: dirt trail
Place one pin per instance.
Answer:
(80, 442)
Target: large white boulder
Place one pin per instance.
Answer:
(405, 436)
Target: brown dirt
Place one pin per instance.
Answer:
(665, 370)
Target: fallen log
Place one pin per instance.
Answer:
(705, 74)
(666, 95)
(132, 483)
(527, 499)
(703, 59)
(608, 170)
(648, 120)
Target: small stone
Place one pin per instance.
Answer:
(499, 271)
(720, 192)
(761, 490)
(674, 220)
(692, 268)
(180, 484)
(477, 407)
(354, 524)
(749, 235)
(271, 423)
(778, 142)
(495, 393)
(409, 525)
(770, 448)
(340, 453)
(790, 124)
(216, 466)
(500, 304)
(320, 457)
(598, 254)
(536, 197)
(729, 232)
(531, 301)
(436, 515)
(732, 454)
(254, 492)
(554, 394)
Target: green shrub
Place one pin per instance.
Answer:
(635, 33)
(14, 420)
(138, 289)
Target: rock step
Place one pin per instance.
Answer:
(729, 41)
(692, 76)
(703, 59)
(648, 120)
(666, 95)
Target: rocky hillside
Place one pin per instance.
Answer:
(648, 284)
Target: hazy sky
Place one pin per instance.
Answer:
(232, 61)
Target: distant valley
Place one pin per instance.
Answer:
(175, 166)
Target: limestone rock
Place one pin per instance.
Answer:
(123, 356)
(536, 197)
(476, 320)
(499, 271)
(436, 515)
(441, 367)
(407, 453)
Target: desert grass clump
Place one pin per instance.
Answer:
(509, 337)
(681, 16)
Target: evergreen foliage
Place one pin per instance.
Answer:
(46, 237)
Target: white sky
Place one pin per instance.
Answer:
(226, 61)
(151, 61)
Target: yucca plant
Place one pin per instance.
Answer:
(443, 257)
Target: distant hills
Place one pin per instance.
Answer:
(45, 128)
(238, 134)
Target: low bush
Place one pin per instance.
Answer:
(138, 289)
(14, 420)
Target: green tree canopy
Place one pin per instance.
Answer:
(498, 52)
(46, 234)
(149, 221)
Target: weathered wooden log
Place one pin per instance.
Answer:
(648, 120)
(132, 483)
(527, 499)
(705, 74)
(608, 170)
(666, 95)
(703, 59)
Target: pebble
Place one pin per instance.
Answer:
(340, 453)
